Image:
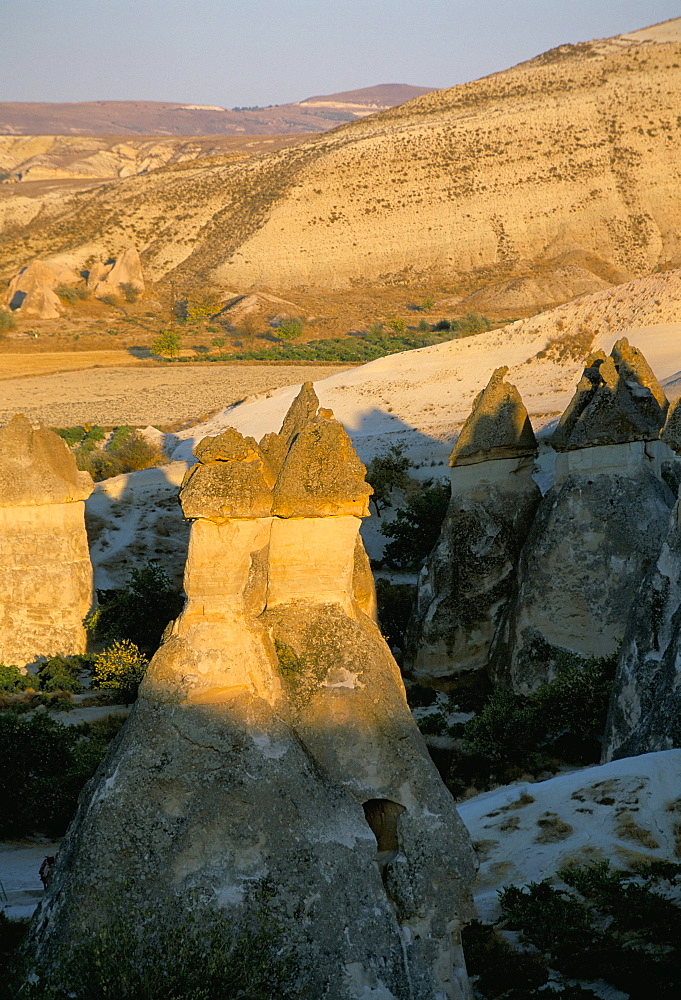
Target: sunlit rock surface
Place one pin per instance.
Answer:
(45, 572)
(271, 771)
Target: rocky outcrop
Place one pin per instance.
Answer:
(645, 709)
(45, 573)
(31, 291)
(597, 531)
(467, 579)
(107, 279)
(270, 777)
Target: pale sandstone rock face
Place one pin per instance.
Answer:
(46, 586)
(38, 467)
(127, 269)
(645, 708)
(271, 773)
(32, 290)
(468, 577)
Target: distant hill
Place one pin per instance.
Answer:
(554, 178)
(144, 118)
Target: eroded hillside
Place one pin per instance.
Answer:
(563, 169)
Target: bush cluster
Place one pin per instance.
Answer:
(126, 451)
(621, 927)
(121, 668)
(388, 472)
(171, 954)
(44, 766)
(72, 293)
(7, 321)
(395, 602)
(140, 611)
(416, 527)
(513, 734)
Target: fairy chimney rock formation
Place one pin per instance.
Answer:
(107, 279)
(271, 767)
(597, 531)
(45, 573)
(31, 291)
(468, 577)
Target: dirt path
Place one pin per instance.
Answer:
(140, 394)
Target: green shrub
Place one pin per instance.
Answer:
(290, 329)
(397, 326)
(131, 292)
(72, 293)
(120, 667)
(175, 953)
(386, 472)
(395, 604)
(563, 720)
(167, 345)
(44, 766)
(442, 325)
(7, 321)
(416, 528)
(498, 967)
(72, 435)
(609, 925)
(140, 611)
(423, 326)
(427, 303)
(108, 300)
(62, 673)
(218, 342)
(470, 324)
(12, 935)
(11, 679)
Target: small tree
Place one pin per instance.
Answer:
(290, 329)
(120, 666)
(167, 344)
(387, 472)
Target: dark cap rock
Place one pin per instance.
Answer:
(322, 475)
(618, 403)
(497, 427)
(232, 479)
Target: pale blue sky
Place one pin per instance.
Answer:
(245, 52)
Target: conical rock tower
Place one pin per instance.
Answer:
(270, 781)
(599, 529)
(467, 579)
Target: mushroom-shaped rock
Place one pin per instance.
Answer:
(497, 427)
(45, 572)
(468, 577)
(322, 475)
(39, 274)
(620, 403)
(38, 467)
(232, 479)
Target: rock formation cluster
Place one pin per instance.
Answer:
(45, 573)
(518, 588)
(271, 771)
(32, 294)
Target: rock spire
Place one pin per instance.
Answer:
(468, 577)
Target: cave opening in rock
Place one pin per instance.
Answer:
(382, 815)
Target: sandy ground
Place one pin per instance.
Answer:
(140, 395)
(47, 362)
